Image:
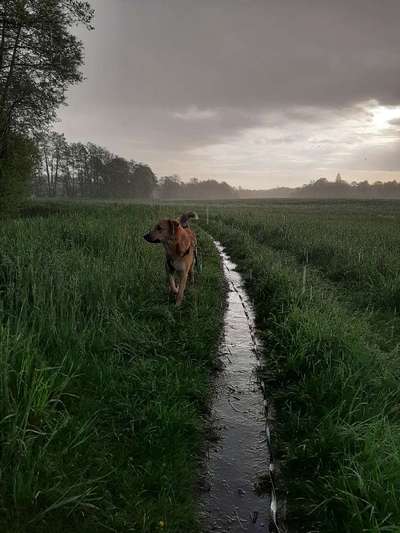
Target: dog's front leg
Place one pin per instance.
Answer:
(171, 280)
(182, 286)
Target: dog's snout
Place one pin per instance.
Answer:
(150, 238)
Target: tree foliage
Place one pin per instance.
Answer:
(87, 170)
(90, 171)
(171, 187)
(39, 58)
(325, 189)
(14, 168)
(322, 188)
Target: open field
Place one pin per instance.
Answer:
(325, 281)
(103, 382)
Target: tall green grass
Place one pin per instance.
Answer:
(355, 244)
(103, 382)
(335, 391)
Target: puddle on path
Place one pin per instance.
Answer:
(241, 453)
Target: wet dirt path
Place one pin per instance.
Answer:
(241, 452)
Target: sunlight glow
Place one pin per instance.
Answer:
(383, 115)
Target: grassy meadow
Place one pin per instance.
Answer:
(103, 381)
(325, 280)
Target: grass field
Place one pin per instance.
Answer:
(326, 285)
(103, 382)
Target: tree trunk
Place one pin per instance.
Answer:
(2, 43)
(47, 173)
(4, 119)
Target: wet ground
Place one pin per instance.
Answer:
(241, 453)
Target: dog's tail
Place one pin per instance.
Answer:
(184, 219)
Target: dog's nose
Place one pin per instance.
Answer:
(146, 237)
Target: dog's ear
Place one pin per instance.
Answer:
(173, 226)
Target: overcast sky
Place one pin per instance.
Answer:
(259, 93)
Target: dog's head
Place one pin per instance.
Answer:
(163, 231)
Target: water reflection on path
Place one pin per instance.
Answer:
(240, 454)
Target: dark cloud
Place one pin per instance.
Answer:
(178, 74)
(246, 53)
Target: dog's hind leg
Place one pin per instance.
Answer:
(191, 273)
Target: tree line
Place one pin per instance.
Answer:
(173, 188)
(87, 170)
(322, 188)
(325, 189)
(77, 170)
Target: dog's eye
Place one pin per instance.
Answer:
(158, 228)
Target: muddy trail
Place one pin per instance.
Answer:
(241, 453)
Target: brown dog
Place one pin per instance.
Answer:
(180, 246)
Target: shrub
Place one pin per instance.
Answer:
(15, 170)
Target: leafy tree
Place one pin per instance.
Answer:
(53, 150)
(39, 58)
(143, 181)
(99, 157)
(116, 174)
(88, 170)
(170, 187)
(76, 176)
